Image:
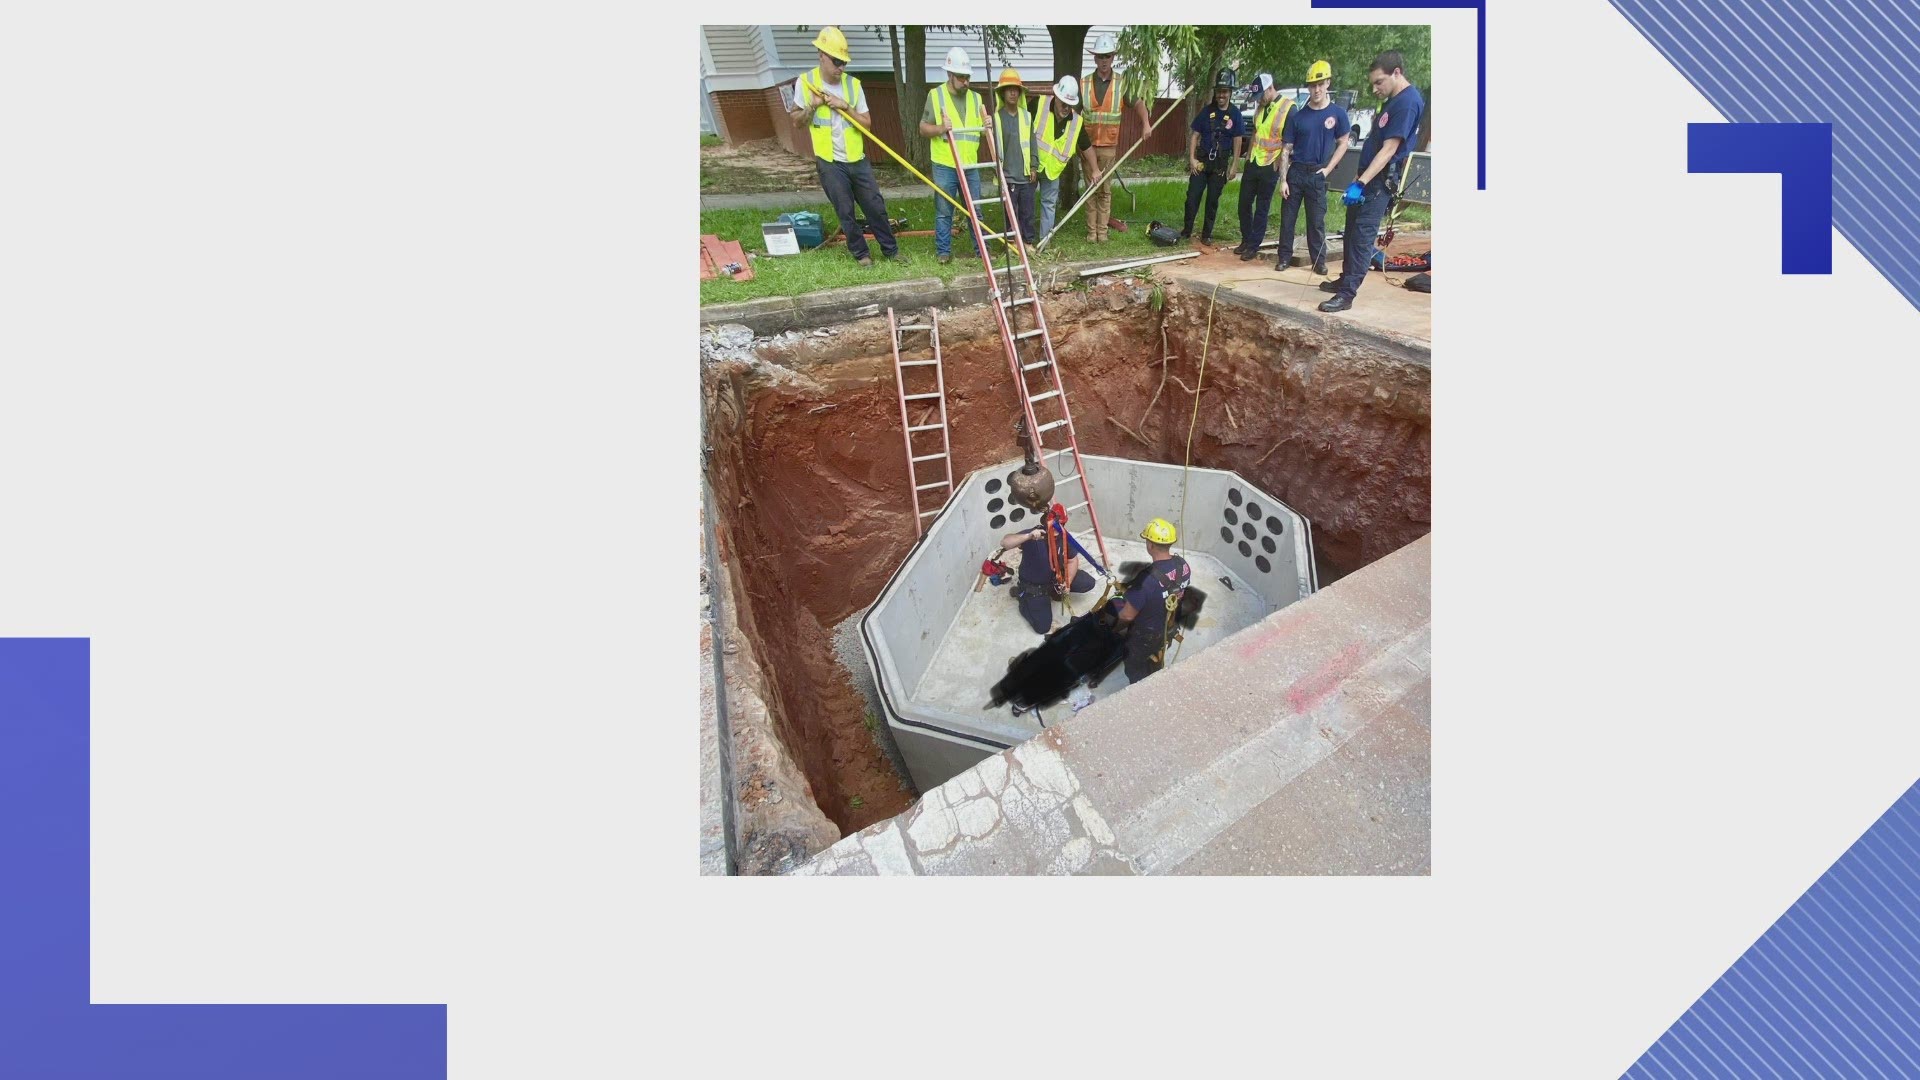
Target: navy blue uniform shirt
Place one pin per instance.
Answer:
(1217, 129)
(1315, 134)
(1149, 598)
(1399, 119)
(1034, 565)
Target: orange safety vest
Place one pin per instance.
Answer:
(1103, 114)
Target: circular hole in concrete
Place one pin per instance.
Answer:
(1267, 542)
(1232, 518)
(1244, 549)
(1018, 513)
(1273, 523)
(1247, 529)
(1226, 534)
(1253, 511)
(994, 506)
(1261, 562)
(997, 522)
(1233, 496)
(993, 486)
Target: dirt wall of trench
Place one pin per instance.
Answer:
(811, 488)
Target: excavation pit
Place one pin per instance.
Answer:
(935, 645)
(813, 517)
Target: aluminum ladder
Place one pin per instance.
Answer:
(930, 325)
(1023, 359)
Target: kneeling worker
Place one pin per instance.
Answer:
(1147, 607)
(1047, 565)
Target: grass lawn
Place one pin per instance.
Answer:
(710, 140)
(830, 267)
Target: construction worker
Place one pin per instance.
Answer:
(1059, 134)
(1013, 134)
(1048, 568)
(953, 107)
(1147, 608)
(1213, 154)
(823, 99)
(1106, 106)
(1263, 164)
(1395, 131)
(1315, 143)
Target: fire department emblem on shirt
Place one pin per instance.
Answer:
(1328, 124)
(1383, 119)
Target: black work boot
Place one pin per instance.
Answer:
(1338, 302)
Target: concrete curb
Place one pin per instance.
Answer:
(776, 314)
(784, 200)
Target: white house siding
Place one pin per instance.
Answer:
(873, 51)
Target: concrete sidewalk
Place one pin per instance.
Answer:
(1300, 745)
(788, 200)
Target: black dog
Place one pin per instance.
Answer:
(1088, 648)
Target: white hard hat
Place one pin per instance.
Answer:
(1067, 90)
(957, 62)
(1104, 45)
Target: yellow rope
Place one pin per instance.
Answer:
(979, 228)
(1193, 420)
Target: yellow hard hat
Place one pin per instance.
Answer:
(1319, 70)
(1158, 531)
(834, 43)
(1009, 77)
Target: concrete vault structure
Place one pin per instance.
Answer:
(936, 647)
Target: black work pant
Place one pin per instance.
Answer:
(847, 183)
(1211, 180)
(1020, 208)
(1036, 599)
(1305, 186)
(1357, 239)
(1146, 652)
(1256, 201)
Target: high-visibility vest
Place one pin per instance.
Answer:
(1103, 114)
(1270, 134)
(1050, 150)
(965, 114)
(833, 138)
(1026, 144)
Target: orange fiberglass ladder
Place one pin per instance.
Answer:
(938, 395)
(1021, 364)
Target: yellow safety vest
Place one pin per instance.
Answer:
(968, 117)
(1026, 143)
(1053, 152)
(1103, 114)
(833, 138)
(1270, 135)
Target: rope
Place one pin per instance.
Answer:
(1193, 420)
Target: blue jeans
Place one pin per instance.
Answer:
(1304, 185)
(1048, 192)
(850, 187)
(948, 180)
(1362, 229)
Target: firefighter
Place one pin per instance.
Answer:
(1048, 570)
(1148, 607)
(1315, 143)
(1213, 155)
(1395, 132)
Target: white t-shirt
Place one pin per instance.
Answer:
(840, 125)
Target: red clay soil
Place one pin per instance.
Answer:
(810, 481)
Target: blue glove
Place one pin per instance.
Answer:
(1355, 194)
